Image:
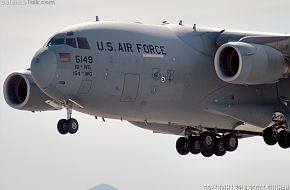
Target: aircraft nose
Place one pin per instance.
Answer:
(43, 67)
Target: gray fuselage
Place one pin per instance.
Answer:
(158, 74)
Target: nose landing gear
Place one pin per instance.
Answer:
(69, 125)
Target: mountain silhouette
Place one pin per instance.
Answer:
(103, 187)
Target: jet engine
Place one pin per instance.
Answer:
(250, 64)
(20, 92)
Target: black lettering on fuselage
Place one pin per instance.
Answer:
(100, 46)
(162, 50)
(125, 47)
(145, 48)
(87, 67)
(129, 47)
(157, 49)
(121, 47)
(109, 46)
(138, 47)
(151, 48)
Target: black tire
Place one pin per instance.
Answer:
(194, 145)
(62, 126)
(270, 136)
(206, 153)
(284, 139)
(182, 146)
(207, 140)
(220, 148)
(231, 142)
(72, 126)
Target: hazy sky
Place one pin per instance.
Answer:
(34, 156)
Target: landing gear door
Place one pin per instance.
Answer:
(130, 88)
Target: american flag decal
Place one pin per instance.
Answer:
(64, 57)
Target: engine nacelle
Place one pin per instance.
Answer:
(250, 64)
(20, 92)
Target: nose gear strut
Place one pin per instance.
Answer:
(69, 125)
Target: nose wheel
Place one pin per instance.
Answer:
(65, 126)
(69, 125)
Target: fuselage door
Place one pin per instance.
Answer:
(130, 88)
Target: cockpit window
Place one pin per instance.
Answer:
(70, 33)
(55, 41)
(68, 39)
(83, 43)
(71, 42)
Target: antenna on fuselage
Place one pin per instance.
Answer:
(97, 18)
(164, 22)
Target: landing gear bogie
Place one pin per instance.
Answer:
(278, 132)
(208, 143)
(273, 135)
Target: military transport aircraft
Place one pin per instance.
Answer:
(210, 86)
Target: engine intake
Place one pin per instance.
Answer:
(20, 92)
(250, 64)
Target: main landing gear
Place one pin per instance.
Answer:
(207, 143)
(278, 132)
(69, 125)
